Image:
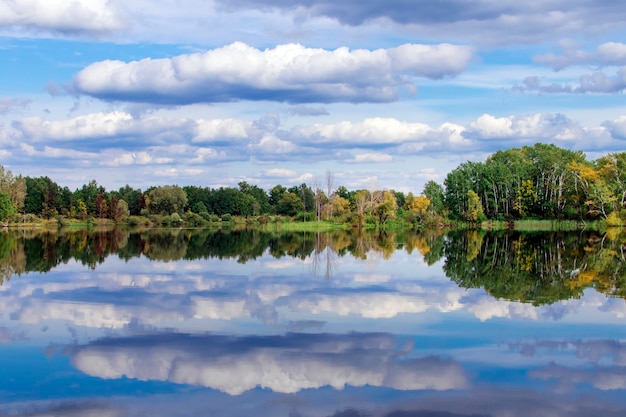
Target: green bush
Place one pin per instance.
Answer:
(227, 218)
(175, 219)
(195, 220)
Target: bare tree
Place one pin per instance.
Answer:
(330, 180)
(319, 198)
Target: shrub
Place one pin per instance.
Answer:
(227, 218)
(175, 219)
(195, 220)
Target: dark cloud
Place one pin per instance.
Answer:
(597, 82)
(609, 53)
(356, 12)
(87, 408)
(302, 110)
(488, 21)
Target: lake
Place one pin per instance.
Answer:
(214, 323)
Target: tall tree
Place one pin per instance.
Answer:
(14, 187)
(434, 193)
(167, 199)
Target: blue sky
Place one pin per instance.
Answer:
(383, 94)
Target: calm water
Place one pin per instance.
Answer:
(202, 323)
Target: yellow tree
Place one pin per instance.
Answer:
(526, 197)
(474, 211)
(597, 195)
(14, 187)
(386, 209)
(417, 206)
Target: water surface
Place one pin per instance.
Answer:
(181, 323)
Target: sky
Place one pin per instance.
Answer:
(383, 95)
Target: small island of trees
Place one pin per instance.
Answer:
(539, 182)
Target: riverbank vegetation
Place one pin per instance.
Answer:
(534, 187)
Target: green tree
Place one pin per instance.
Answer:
(387, 207)
(275, 194)
(261, 204)
(14, 187)
(7, 208)
(121, 211)
(88, 193)
(289, 204)
(132, 196)
(435, 194)
(167, 199)
(306, 194)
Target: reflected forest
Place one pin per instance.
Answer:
(539, 268)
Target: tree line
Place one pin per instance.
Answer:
(533, 182)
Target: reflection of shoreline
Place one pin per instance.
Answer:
(537, 268)
(285, 364)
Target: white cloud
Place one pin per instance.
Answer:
(114, 124)
(487, 308)
(370, 157)
(280, 173)
(60, 16)
(271, 145)
(286, 365)
(221, 130)
(374, 305)
(289, 72)
(377, 130)
(532, 127)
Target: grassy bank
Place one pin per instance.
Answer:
(283, 223)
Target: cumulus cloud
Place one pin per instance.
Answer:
(218, 130)
(271, 145)
(486, 308)
(532, 127)
(371, 131)
(113, 125)
(370, 157)
(280, 173)
(375, 304)
(286, 73)
(285, 364)
(60, 17)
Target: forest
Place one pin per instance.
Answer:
(542, 182)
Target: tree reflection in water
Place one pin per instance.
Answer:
(540, 268)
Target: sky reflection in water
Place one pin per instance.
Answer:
(279, 336)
